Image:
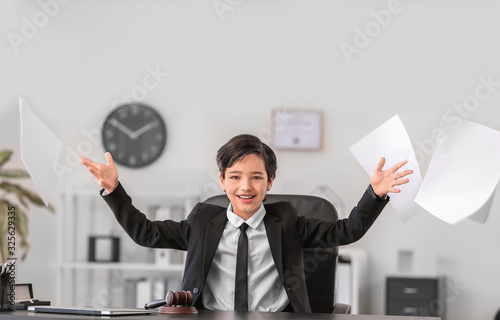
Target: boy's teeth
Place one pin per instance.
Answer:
(245, 197)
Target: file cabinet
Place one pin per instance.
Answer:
(414, 297)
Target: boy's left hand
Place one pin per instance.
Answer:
(384, 181)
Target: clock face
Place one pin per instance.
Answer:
(134, 134)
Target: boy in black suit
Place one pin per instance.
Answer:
(272, 236)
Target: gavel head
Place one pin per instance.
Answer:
(179, 298)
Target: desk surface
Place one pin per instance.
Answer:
(213, 315)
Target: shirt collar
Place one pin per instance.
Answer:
(253, 222)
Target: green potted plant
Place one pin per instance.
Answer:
(14, 202)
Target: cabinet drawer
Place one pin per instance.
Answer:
(411, 308)
(408, 288)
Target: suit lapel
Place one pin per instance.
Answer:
(274, 236)
(214, 231)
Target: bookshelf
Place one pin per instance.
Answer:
(80, 282)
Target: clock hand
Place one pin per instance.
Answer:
(143, 130)
(123, 128)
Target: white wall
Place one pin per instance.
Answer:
(225, 77)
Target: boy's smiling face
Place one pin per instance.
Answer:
(246, 184)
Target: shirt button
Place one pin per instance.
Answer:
(195, 290)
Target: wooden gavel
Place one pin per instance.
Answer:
(172, 298)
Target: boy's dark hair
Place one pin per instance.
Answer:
(242, 145)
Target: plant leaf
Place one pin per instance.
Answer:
(14, 189)
(21, 229)
(22, 226)
(4, 211)
(5, 156)
(22, 232)
(33, 197)
(23, 194)
(14, 173)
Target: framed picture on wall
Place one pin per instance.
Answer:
(297, 129)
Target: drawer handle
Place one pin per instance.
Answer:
(410, 290)
(410, 310)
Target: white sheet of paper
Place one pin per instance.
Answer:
(481, 215)
(40, 150)
(390, 140)
(463, 171)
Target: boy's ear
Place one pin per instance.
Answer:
(221, 182)
(270, 184)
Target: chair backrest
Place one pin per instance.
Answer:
(319, 264)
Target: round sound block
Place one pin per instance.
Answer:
(177, 310)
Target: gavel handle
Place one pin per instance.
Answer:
(154, 304)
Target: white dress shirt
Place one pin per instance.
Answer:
(265, 289)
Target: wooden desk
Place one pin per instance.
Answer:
(212, 315)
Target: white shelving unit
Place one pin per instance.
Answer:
(83, 283)
(351, 283)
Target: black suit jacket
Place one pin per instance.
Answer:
(287, 233)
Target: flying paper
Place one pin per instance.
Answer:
(40, 150)
(481, 215)
(463, 172)
(391, 141)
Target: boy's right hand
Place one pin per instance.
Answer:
(106, 175)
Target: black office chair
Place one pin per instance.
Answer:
(320, 273)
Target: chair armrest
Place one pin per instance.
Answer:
(341, 308)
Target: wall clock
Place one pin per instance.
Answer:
(135, 135)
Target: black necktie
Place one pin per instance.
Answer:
(241, 282)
